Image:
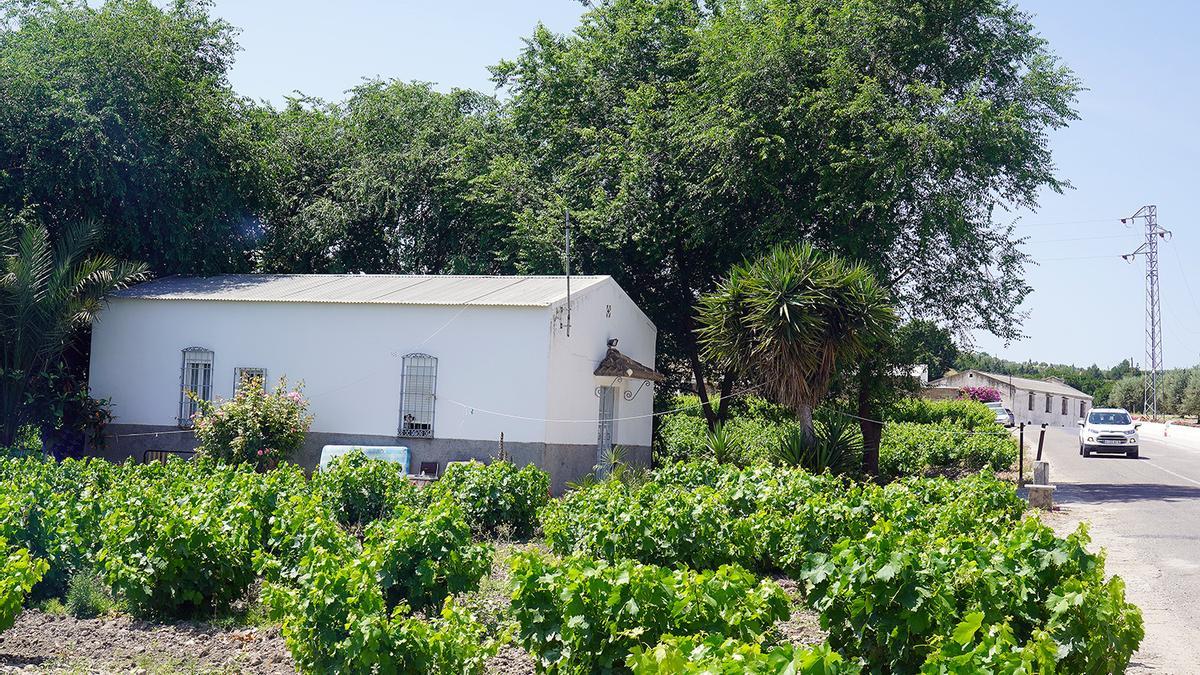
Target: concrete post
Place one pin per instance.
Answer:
(1041, 472)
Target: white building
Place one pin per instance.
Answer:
(441, 364)
(1051, 401)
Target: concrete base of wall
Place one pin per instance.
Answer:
(564, 463)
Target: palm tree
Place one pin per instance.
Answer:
(786, 319)
(46, 293)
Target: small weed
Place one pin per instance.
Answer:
(87, 596)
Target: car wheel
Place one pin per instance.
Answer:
(1086, 452)
(1132, 454)
(1081, 448)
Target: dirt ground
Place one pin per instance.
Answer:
(41, 642)
(49, 643)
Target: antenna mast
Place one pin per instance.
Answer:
(1154, 357)
(567, 265)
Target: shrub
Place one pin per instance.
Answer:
(717, 655)
(360, 490)
(19, 572)
(182, 543)
(837, 447)
(336, 621)
(889, 595)
(54, 511)
(750, 433)
(582, 615)
(961, 413)
(981, 394)
(425, 555)
(300, 525)
(495, 496)
(256, 427)
(909, 449)
(87, 596)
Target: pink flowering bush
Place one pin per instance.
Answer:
(981, 394)
(256, 427)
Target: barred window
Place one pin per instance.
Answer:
(1082, 408)
(1031, 400)
(418, 392)
(1064, 406)
(240, 375)
(195, 377)
(1049, 399)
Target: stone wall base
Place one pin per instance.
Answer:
(565, 463)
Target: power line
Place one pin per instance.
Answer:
(1080, 257)
(1107, 236)
(1113, 221)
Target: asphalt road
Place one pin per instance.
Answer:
(1146, 513)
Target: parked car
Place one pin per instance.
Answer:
(1108, 430)
(1004, 416)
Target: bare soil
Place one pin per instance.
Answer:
(42, 642)
(49, 643)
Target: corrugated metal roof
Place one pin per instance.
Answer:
(387, 289)
(1043, 386)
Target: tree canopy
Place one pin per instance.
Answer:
(682, 137)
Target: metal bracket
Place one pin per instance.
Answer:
(615, 383)
(630, 395)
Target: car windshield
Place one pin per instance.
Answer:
(996, 406)
(1108, 418)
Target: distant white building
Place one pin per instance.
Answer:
(441, 364)
(1051, 401)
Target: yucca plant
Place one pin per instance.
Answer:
(47, 292)
(836, 445)
(723, 445)
(788, 318)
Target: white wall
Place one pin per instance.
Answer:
(602, 312)
(348, 356)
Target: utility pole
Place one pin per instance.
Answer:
(1154, 359)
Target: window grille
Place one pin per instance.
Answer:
(1082, 408)
(1031, 400)
(418, 392)
(240, 375)
(195, 377)
(1064, 405)
(1049, 398)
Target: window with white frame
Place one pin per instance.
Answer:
(418, 391)
(195, 377)
(242, 374)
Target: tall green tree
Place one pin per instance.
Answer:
(382, 183)
(785, 320)
(121, 114)
(47, 292)
(683, 136)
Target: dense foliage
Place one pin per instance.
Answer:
(19, 573)
(582, 615)
(256, 427)
(360, 490)
(49, 289)
(908, 449)
(754, 428)
(497, 496)
(895, 571)
(717, 655)
(964, 414)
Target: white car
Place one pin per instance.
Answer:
(1108, 430)
(1004, 416)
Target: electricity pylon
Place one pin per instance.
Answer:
(1154, 358)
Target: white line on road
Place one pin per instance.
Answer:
(1177, 475)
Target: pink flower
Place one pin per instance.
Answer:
(295, 397)
(260, 453)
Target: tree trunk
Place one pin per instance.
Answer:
(726, 391)
(804, 413)
(872, 431)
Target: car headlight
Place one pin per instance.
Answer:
(1130, 432)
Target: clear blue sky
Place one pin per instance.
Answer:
(1137, 142)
